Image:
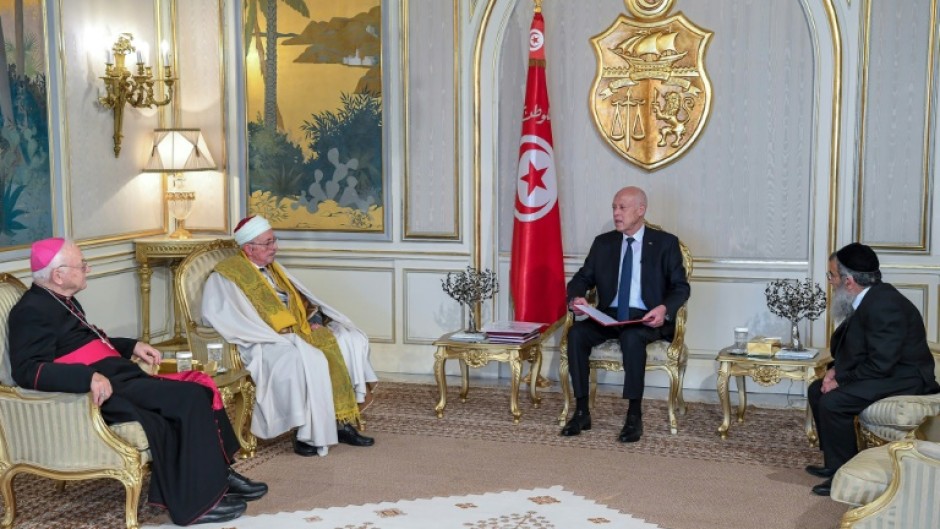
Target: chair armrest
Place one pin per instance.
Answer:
(915, 469)
(58, 431)
(893, 418)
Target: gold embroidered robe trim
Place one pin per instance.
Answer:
(243, 273)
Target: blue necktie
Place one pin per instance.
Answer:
(626, 277)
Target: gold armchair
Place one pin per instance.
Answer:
(670, 357)
(235, 383)
(61, 435)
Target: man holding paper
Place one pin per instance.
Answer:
(640, 281)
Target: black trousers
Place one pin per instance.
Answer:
(835, 413)
(585, 334)
(191, 445)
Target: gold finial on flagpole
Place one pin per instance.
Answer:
(538, 6)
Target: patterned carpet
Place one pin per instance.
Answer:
(770, 437)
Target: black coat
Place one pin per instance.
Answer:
(882, 342)
(662, 276)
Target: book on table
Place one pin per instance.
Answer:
(511, 332)
(790, 354)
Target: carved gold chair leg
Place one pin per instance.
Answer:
(132, 487)
(564, 379)
(9, 498)
(683, 409)
(593, 383)
(673, 399)
(60, 486)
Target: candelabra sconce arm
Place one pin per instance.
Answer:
(124, 87)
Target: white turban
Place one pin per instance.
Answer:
(249, 228)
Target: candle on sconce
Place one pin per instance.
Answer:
(140, 57)
(166, 54)
(108, 56)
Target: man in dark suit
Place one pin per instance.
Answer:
(880, 349)
(638, 274)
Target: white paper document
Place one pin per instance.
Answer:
(602, 318)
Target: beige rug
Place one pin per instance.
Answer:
(553, 508)
(692, 480)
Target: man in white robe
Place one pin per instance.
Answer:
(294, 388)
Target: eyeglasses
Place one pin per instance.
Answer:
(84, 266)
(268, 244)
(830, 276)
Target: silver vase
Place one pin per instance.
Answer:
(795, 343)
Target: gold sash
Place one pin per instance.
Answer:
(293, 318)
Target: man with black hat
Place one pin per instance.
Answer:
(879, 349)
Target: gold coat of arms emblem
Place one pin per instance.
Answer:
(651, 95)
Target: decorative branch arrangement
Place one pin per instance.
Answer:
(469, 287)
(795, 300)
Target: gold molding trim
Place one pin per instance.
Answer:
(405, 7)
(836, 36)
(921, 245)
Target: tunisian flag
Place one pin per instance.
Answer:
(537, 276)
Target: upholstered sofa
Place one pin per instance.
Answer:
(61, 436)
(891, 486)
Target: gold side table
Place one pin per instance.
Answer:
(478, 354)
(766, 371)
(164, 250)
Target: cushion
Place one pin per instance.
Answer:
(133, 433)
(610, 350)
(865, 477)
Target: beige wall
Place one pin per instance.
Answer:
(798, 157)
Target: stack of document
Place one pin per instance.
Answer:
(511, 332)
(790, 354)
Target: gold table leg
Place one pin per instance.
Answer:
(515, 366)
(810, 376)
(535, 367)
(742, 397)
(464, 380)
(440, 356)
(724, 398)
(145, 272)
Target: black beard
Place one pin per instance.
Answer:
(841, 303)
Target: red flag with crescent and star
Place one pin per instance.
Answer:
(537, 274)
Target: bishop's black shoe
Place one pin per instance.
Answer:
(632, 429)
(580, 421)
(243, 488)
(347, 434)
(227, 509)
(820, 472)
(823, 489)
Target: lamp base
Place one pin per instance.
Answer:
(181, 233)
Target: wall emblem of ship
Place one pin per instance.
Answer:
(651, 96)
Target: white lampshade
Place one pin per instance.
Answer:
(179, 150)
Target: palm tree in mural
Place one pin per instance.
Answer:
(268, 61)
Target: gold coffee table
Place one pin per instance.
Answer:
(478, 354)
(766, 371)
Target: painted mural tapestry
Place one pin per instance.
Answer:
(25, 181)
(314, 114)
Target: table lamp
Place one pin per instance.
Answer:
(177, 152)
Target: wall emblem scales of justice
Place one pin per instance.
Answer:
(651, 95)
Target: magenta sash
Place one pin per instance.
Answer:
(97, 350)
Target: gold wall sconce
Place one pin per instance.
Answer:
(124, 87)
(179, 151)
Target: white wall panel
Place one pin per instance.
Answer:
(429, 312)
(365, 295)
(108, 196)
(201, 105)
